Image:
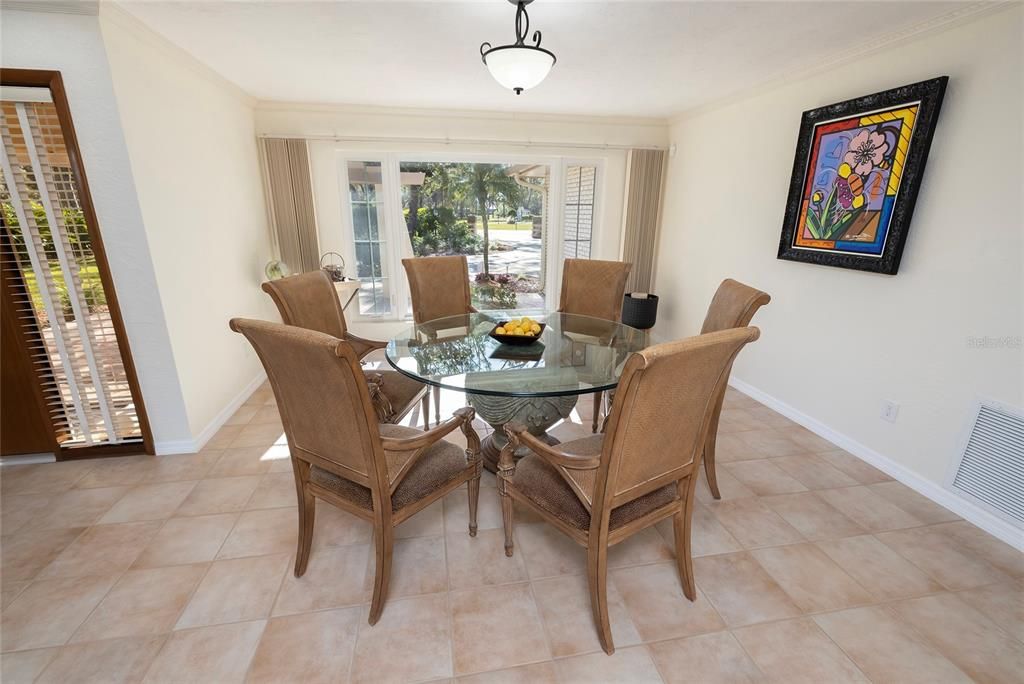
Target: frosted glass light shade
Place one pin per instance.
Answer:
(517, 67)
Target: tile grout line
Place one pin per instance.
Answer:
(192, 594)
(885, 604)
(118, 577)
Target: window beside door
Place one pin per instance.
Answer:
(580, 191)
(365, 187)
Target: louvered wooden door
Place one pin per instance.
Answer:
(58, 292)
(24, 428)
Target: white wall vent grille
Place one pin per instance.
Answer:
(991, 468)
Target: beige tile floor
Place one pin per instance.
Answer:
(813, 567)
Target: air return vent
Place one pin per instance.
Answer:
(991, 469)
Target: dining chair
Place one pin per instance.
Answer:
(438, 287)
(341, 454)
(600, 490)
(594, 288)
(309, 301)
(733, 306)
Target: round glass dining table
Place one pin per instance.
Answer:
(536, 384)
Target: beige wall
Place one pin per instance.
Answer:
(192, 145)
(73, 45)
(836, 343)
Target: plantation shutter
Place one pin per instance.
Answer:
(578, 212)
(58, 294)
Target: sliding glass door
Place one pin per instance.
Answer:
(513, 221)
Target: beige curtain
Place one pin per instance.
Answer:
(645, 174)
(289, 195)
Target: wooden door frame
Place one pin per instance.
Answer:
(12, 286)
(39, 78)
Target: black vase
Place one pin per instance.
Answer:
(639, 313)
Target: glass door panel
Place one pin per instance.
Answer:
(366, 198)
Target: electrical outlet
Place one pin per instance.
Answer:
(890, 409)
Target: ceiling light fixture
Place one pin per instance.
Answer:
(519, 66)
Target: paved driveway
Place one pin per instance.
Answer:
(523, 259)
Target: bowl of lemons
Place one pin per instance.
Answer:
(519, 331)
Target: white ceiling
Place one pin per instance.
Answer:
(653, 59)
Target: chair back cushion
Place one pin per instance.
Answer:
(662, 409)
(322, 396)
(733, 306)
(439, 287)
(309, 301)
(594, 288)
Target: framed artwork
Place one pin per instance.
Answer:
(856, 176)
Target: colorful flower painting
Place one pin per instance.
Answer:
(854, 179)
(850, 193)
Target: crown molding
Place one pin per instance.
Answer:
(415, 112)
(111, 11)
(84, 7)
(922, 29)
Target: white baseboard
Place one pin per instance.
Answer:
(967, 510)
(27, 459)
(175, 446)
(191, 446)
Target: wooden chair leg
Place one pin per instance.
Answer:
(598, 400)
(709, 449)
(384, 541)
(472, 459)
(474, 498)
(437, 405)
(682, 524)
(506, 469)
(709, 466)
(597, 579)
(307, 516)
(425, 408)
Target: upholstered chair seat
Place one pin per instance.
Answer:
(439, 464)
(547, 488)
(401, 391)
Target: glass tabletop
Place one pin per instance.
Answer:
(574, 354)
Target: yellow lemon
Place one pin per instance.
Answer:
(499, 331)
(517, 332)
(535, 328)
(844, 170)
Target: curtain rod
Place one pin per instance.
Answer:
(464, 141)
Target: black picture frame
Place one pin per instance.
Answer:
(928, 94)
